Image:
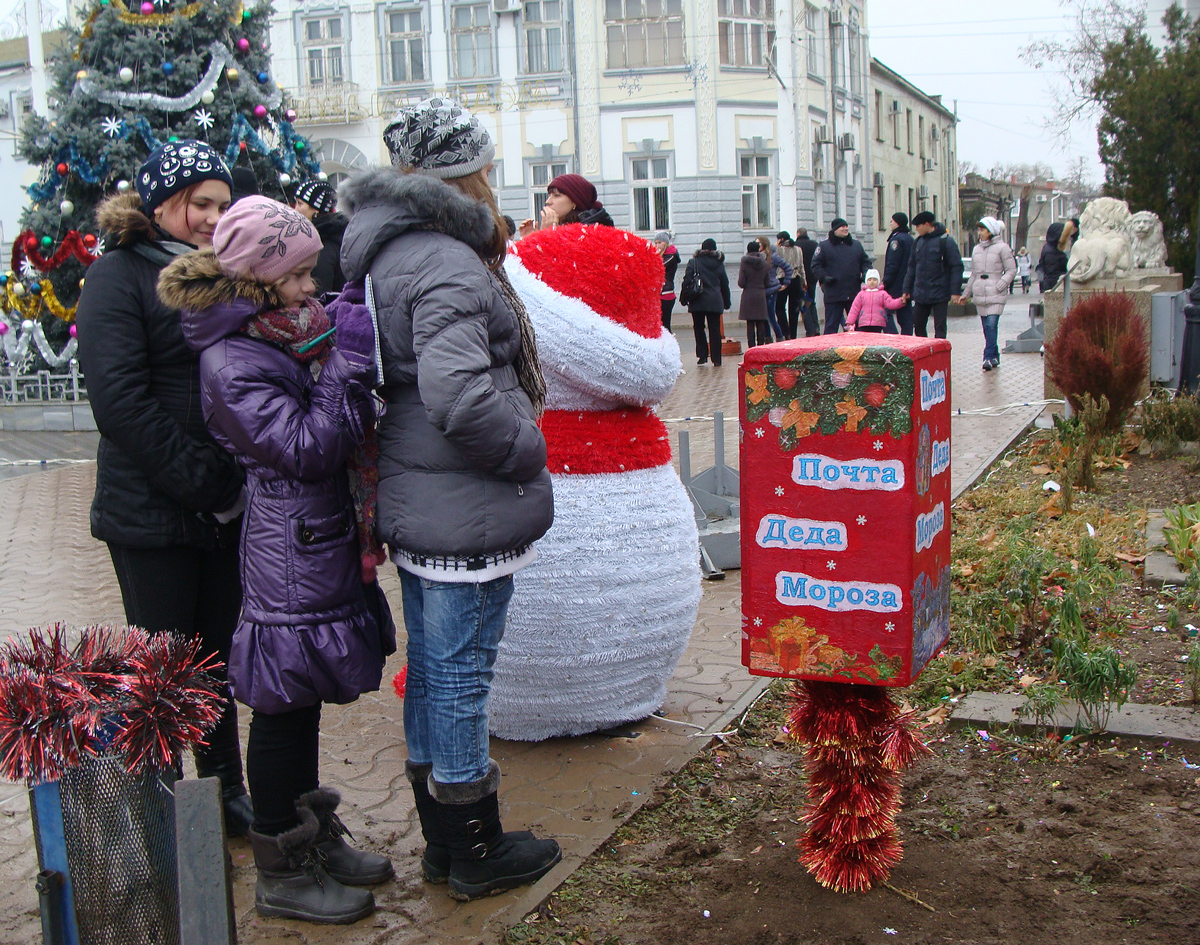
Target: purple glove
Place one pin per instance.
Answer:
(355, 337)
(352, 294)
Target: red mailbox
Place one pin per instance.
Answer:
(845, 507)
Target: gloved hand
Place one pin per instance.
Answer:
(355, 337)
(352, 294)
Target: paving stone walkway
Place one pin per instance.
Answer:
(576, 790)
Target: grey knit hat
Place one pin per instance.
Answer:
(439, 137)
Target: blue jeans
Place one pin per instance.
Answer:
(454, 631)
(991, 328)
(772, 319)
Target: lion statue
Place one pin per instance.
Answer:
(1103, 250)
(1146, 239)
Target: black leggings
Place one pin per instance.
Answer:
(667, 306)
(281, 764)
(708, 345)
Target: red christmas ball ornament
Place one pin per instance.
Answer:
(242, 146)
(785, 378)
(876, 394)
(89, 240)
(62, 170)
(31, 244)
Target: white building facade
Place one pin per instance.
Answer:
(708, 118)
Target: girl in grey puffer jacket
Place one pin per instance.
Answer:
(993, 268)
(463, 487)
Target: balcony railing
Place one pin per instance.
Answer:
(330, 103)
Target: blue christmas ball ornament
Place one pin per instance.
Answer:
(168, 68)
(35, 288)
(3, 278)
(264, 78)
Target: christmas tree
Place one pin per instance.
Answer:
(127, 79)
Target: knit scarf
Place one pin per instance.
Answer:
(529, 369)
(292, 329)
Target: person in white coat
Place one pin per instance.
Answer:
(993, 268)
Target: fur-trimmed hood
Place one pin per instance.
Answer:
(121, 218)
(214, 304)
(383, 203)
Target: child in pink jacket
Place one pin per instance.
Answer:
(869, 310)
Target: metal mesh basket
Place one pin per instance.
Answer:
(120, 843)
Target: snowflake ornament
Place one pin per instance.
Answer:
(758, 621)
(759, 432)
(779, 490)
(889, 626)
(98, 249)
(877, 445)
(862, 520)
(831, 565)
(28, 270)
(202, 118)
(112, 126)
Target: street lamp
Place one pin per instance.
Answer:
(1189, 375)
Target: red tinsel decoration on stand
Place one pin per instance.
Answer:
(73, 244)
(858, 742)
(119, 691)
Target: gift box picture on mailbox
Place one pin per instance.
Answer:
(845, 507)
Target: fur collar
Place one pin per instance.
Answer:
(422, 202)
(121, 218)
(196, 282)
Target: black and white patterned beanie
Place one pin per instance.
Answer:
(439, 137)
(317, 194)
(176, 165)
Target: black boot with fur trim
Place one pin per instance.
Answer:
(341, 861)
(293, 884)
(435, 860)
(483, 861)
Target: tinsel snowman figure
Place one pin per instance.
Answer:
(599, 621)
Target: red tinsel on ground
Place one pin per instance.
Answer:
(858, 742)
(72, 245)
(118, 692)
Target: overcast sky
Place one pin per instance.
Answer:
(970, 51)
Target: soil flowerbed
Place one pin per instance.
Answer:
(1087, 841)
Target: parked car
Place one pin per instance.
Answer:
(966, 274)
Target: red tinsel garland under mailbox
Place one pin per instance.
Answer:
(845, 505)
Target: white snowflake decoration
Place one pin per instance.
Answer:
(111, 126)
(758, 621)
(28, 270)
(862, 520)
(759, 432)
(779, 490)
(831, 565)
(878, 445)
(889, 626)
(202, 118)
(98, 249)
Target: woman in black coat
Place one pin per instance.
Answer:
(753, 274)
(168, 498)
(708, 263)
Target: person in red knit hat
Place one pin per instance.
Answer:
(570, 198)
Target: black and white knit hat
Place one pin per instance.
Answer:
(439, 137)
(317, 194)
(176, 165)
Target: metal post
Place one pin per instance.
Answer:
(685, 458)
(719, 450)
(1189, 374)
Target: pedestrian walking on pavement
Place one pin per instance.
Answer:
(934, 278)
(315, 627)
(808, 305)
(895, 268)
(463, 486)
(670, 258)
(570, 198)
(1023, 268)
(168, 498)
(316, 201)
(839, 264)
(871, 306)
(708, 266)
(993, 269)
(779, 276)
(789, 300)
(752, 308)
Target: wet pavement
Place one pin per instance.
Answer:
(577, 790)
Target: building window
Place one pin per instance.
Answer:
(542, 22)
(897, 204)
(756, 191)
(935, 216)
(912, 205)
(746, 32)
(878, 115)
(471, 40)
(921, 134)
(651, 209)
(324, 50)
(854, 42)
(814, 48)
(404, 41)
(644, 33)
(908, 129)
(896, 124)
(880, 225)
(540, 176)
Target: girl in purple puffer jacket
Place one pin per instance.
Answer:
(870, 307)
(296, 412)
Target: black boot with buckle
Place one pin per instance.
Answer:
(343, 862)
(483, 860)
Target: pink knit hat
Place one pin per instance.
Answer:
(261, 239)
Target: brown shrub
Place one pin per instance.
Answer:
(1100, 349)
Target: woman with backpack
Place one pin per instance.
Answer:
(705, 292)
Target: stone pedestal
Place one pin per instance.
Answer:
(1140, 287)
